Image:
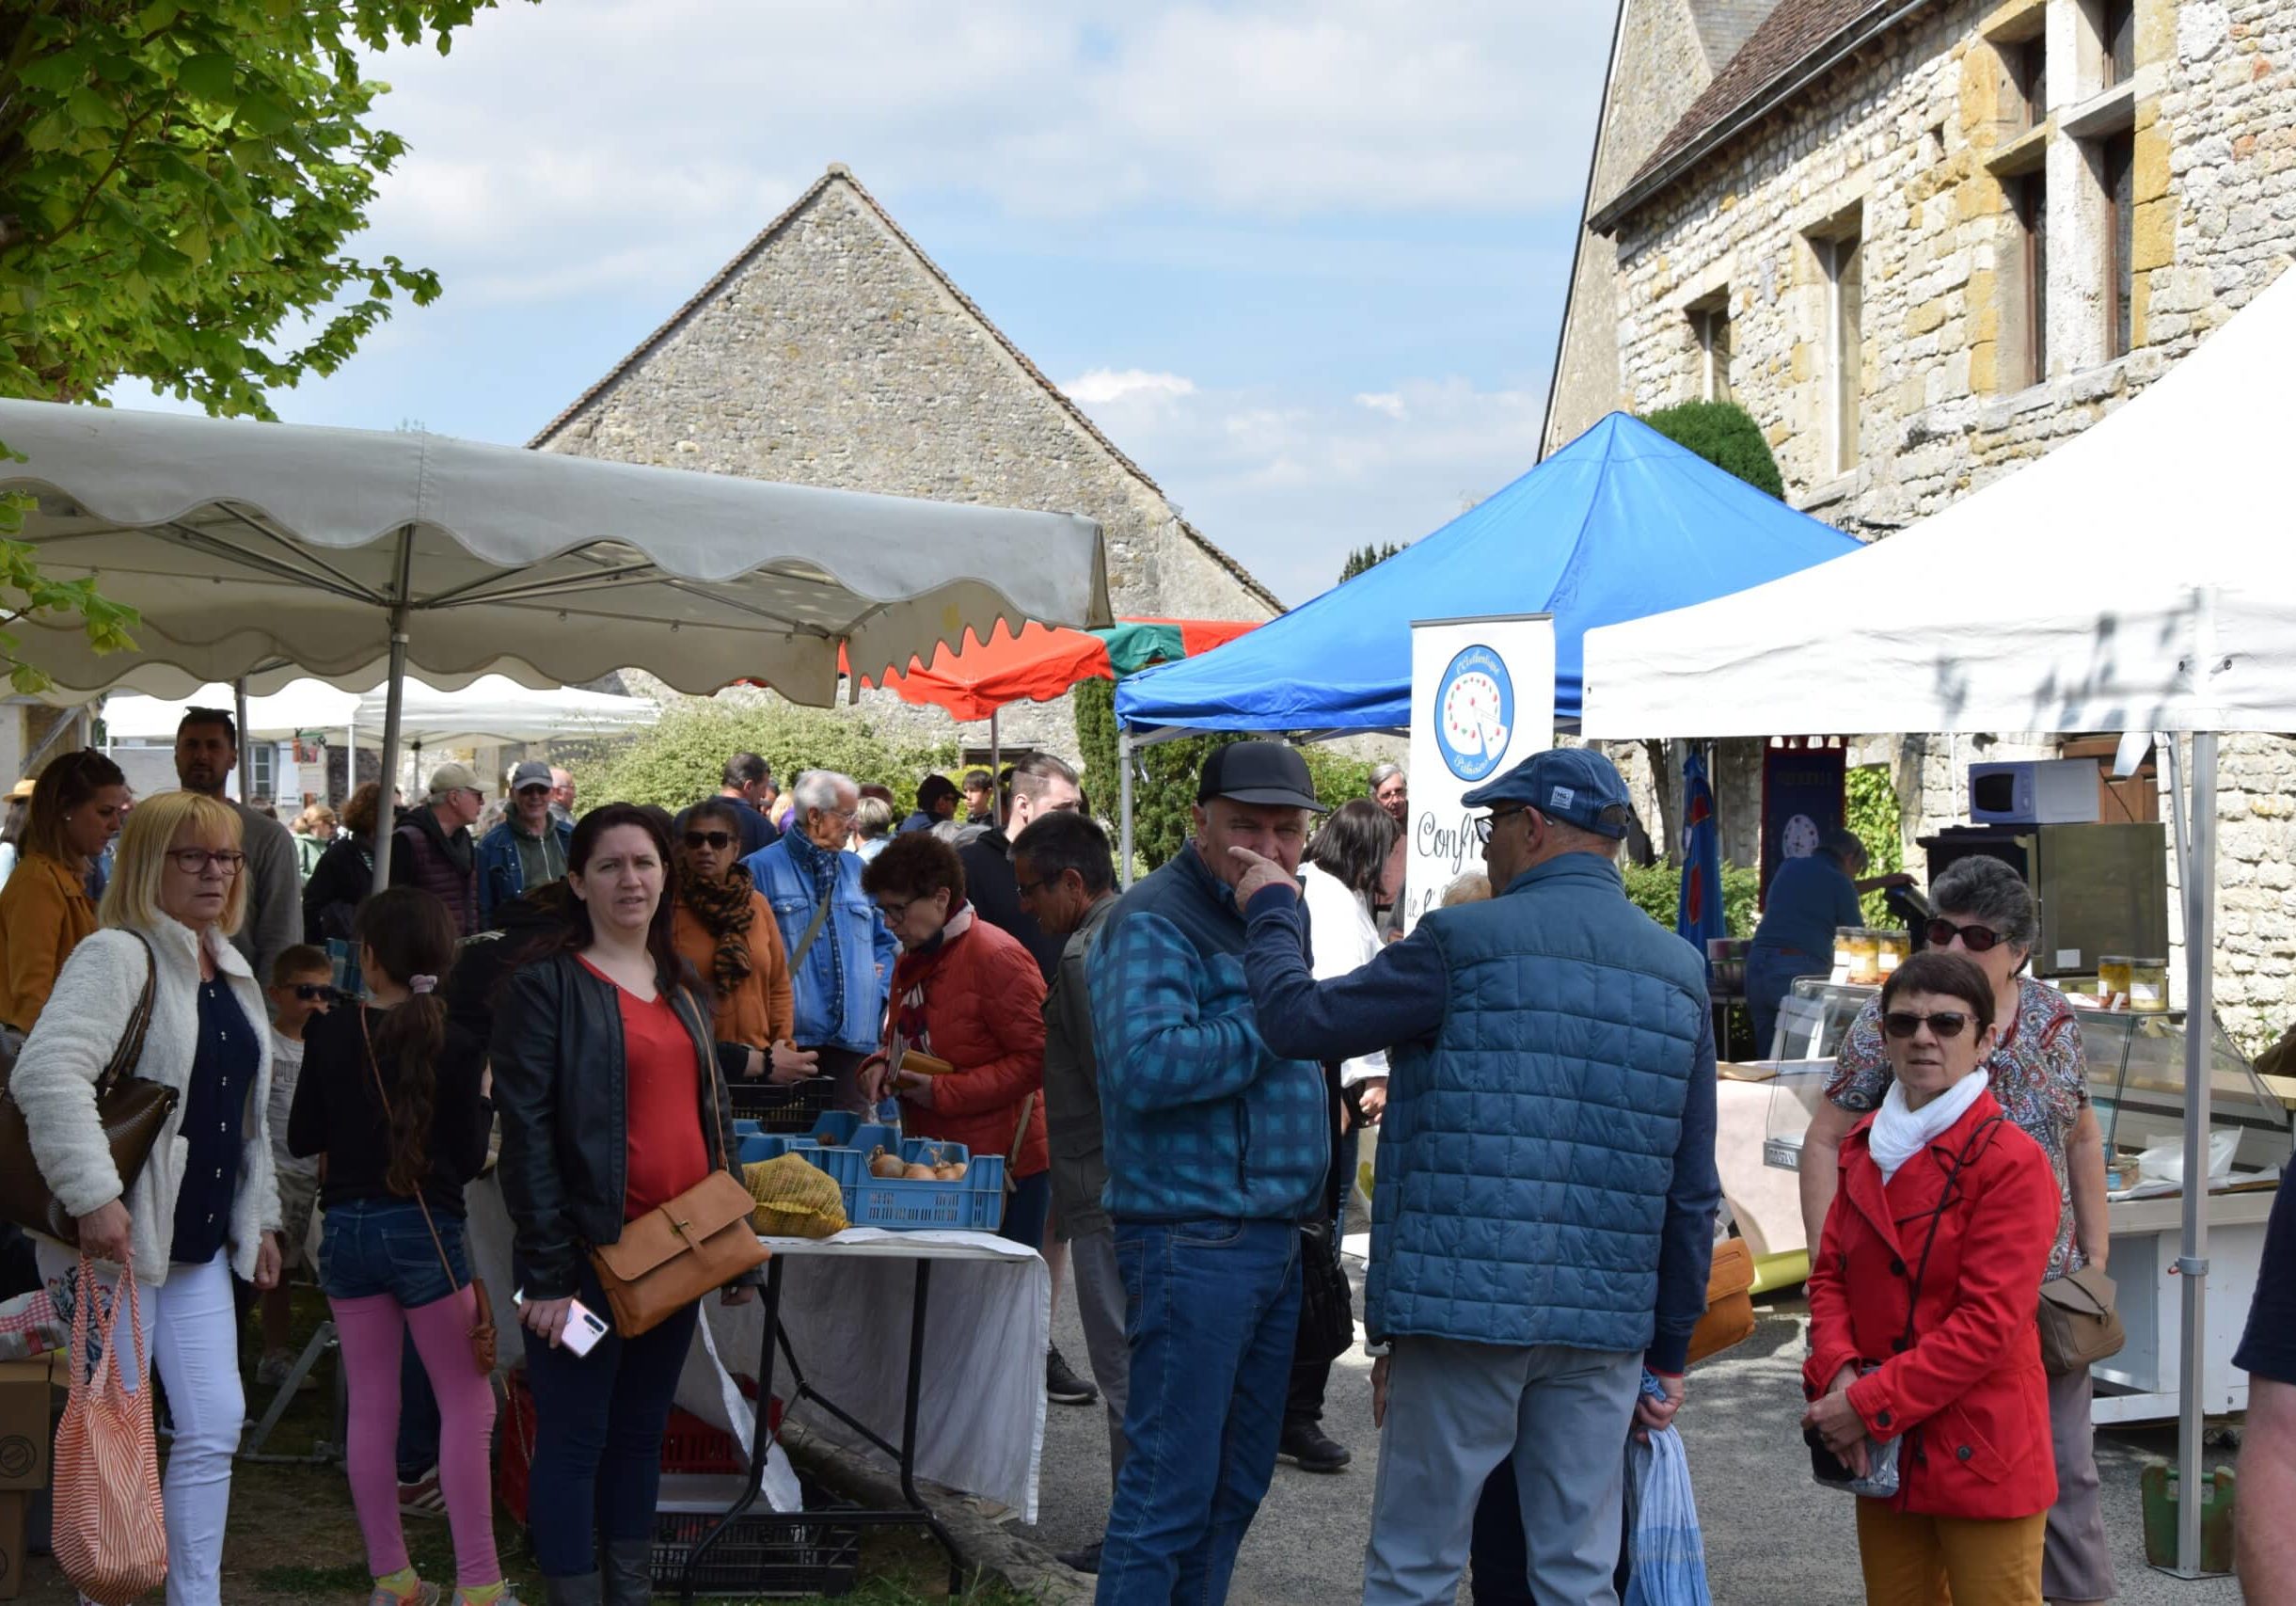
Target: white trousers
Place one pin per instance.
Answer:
(191, 1333)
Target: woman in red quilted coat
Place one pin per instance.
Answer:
(964, 992)
(1922, 1302)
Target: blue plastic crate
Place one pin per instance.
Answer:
(744, 1127)
(756, 1146)
(975, 1203)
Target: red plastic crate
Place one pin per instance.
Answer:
(688, 1444)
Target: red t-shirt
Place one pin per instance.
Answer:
(666, 1154)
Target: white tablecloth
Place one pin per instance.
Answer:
(845, 1307)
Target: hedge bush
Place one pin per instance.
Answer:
(1726, 435)
(1656, 890)
(683, 758)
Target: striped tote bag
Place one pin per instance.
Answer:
(111, 1538)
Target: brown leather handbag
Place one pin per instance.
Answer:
(482, 1316)
(678, 1251)
(132, 1111)
(1730, 1301)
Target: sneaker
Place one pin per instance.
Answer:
(273, 1369)
(1311, 1450)
(426, 1594)
(422, 1498)
(1085, 1560)
(1063, 1386)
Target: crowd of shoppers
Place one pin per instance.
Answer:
(1172, 1074)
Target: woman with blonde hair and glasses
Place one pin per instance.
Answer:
(206, 1205)
(44, 911)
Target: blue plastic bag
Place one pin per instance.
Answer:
(1666, 1556)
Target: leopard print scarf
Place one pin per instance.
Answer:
(725, 910)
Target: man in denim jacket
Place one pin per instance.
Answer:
(839, 984)
(1217, 1149)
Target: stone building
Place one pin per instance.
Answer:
(1921, 243)
(831, 351)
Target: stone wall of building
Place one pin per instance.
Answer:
(832, 353)
(1917, 149)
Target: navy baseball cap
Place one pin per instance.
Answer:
(1577, 786)
(1270, 773)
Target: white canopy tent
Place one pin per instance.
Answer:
(305, 705)
(2140, 578)
(261, 551)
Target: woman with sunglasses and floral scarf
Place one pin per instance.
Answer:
(2038, 1070)
(1922, 1294)
(726, 932)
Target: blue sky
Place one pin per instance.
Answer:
(1302, 262)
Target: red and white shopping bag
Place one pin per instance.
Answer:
(110, 1535)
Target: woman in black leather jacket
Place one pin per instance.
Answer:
(602, 1067)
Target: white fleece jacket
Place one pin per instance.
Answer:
(55, 1084)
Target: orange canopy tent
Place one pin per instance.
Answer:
(1042, 663)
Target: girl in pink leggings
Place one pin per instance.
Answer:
(397, 1104)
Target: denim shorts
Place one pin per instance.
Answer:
(380, 1246)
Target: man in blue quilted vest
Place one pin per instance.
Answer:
(1543, 1208)
(1217, 1149)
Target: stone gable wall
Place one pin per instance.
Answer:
(1903, 140)
(835, 358)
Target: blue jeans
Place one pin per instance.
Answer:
(1770, 976)
(598, 1424)
(1211, 1312)
(381, 1245)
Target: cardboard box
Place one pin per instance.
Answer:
(11, 1543)
(24, 1424)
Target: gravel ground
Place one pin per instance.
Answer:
(1771, 1535)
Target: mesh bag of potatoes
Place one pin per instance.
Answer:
(795, 1198)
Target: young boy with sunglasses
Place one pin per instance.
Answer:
(302, 987)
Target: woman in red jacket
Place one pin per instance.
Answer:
(964, 992)
(1923, 1299)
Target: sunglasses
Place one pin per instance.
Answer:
(1947, 1023)
(710, 839)
(1977, 939)
(315, 992)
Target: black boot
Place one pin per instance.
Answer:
(581, 1591)
(628, 1570)
(1307, 1446)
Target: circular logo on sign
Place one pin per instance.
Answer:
(18, 1455)
(1474, 713)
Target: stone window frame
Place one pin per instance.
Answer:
(1708, 315)
(1838, 375)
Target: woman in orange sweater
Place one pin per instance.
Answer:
(727, 932)
(44, 909)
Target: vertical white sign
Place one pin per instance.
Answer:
(1482, 700)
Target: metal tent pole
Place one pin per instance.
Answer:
(239, 704)
(996, 775)
(2199, 1042)
(1124, 805)
(385, 813)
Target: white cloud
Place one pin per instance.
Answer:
(1102, 386)
(1387, 402)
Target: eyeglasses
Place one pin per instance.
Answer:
(710, 839)
(315, 992)
(1030, 888)
(1977, 939)
(1947, 1023)
(896, 911)
(195, 861)
(1489, 823)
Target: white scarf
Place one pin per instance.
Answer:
(1900, 1132)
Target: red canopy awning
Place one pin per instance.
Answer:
(1042, 664)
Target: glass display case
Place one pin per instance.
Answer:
(2136, 1080)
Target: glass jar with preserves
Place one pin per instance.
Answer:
(2112, 977)
(2148, 985)
(1896, 947)
(1865, 957)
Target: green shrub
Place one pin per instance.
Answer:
(683, 758)
(1872, 806)
(1726, 435)
(1656, 890)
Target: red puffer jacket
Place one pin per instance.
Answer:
(983, 1013)
(1968, 1396)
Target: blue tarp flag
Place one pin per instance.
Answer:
(1619, 524)
(1666, 1554)
(1699, 914)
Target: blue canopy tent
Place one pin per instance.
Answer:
(1619, 524)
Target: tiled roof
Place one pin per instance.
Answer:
(839, 174)
(1765, 69)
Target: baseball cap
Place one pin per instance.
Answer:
(453, 778)
(531, 773)
(1577, 786)
(1268, 773)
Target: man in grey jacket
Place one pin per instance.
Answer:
(206, 753)
(1066, 883)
